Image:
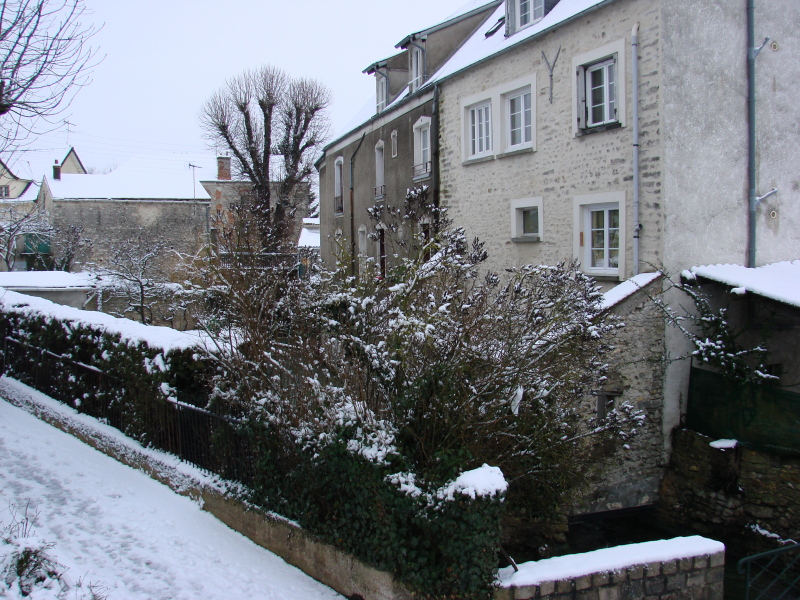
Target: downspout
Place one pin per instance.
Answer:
(352, 212)
(435, 152)
(637, 226)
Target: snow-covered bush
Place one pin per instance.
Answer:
(27, 569)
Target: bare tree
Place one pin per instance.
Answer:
(16, 222)
(271, 123)
(44, 58)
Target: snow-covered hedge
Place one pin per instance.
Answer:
(109, 361)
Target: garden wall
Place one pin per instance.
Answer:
(689, 568)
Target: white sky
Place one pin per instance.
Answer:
(165, 57)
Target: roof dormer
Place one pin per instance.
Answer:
(524, 13)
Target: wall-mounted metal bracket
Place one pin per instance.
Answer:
(765, 196)
(754, 51)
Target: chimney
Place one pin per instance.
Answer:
(56, 170)
(224, 168)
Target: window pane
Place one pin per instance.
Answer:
(598, 219)
(515, 114)
(530, 221)
(613, 218)
(527, 101)
(538, 9)
(598, 258)
(613, 259)
(524, 12)
(598, 238)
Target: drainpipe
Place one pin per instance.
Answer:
(752, 52)
(435, 151)
(637, 226)
(352, 212)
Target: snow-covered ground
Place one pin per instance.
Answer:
(114, 526)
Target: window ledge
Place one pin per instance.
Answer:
(421, 177)
(526, 239)
(380, 197)
(528, 150)
(480, 159)
(598, 129)
(604, 276)
(341, 214)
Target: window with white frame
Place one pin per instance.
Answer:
(394, 144)
(381, 92)
(599, 228)
(599, 88)
(338, 186)
(526, 220)
(601, 93)
(380, 188)
(5, 191)
(422, 148)
(529, 12)
(417, 68)
(480, 129)
(520, 119)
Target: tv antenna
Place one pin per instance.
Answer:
(194, 190)
(68, 124)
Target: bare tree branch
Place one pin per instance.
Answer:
(44, 58)
(271, 124)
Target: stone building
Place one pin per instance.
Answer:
(614, 132)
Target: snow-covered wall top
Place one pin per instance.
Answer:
(157, 338)
(627, 288)
(779, 281)
(46, 279)
(608, 559)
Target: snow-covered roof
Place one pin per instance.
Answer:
(466, 10)
(140, 178)
(778, 281)
(309, 234)
(479, 47)
(627, 288)
(18, 280)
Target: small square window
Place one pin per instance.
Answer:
(5, 191)
(526, 221)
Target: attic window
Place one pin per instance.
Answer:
(5, 191)
(496, 27)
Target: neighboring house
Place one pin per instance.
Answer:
(21, 220)
(70, 289)
(394, 150)
(126, 204)
(227, 193)
(553, 137)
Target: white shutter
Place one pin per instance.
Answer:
(581, 75)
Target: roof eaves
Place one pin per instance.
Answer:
(475, 11)
(434, 81)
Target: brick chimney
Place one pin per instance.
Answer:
(56, 170)
(224, 168)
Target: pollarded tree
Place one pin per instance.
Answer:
(271, 124)
(44, 57)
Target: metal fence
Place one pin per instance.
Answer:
(760, 416)
(212, 442)
(773, 575)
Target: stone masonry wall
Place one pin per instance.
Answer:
(629, 474)
(732, 494)
(182, 224)
(694, 578)
(562, 165)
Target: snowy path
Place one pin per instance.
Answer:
(115, 526)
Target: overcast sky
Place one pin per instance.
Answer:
(163, 58)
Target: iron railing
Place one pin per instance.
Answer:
(212, 442)
(773, 575)
(422, 169)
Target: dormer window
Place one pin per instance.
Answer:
(417, 68)
(529, 12)
(381, 92)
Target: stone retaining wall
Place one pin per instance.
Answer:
(748, 499)
(693, 578)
